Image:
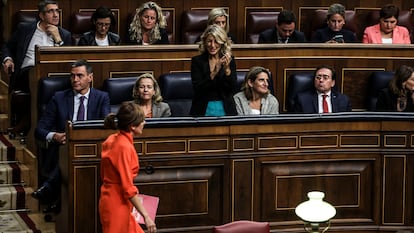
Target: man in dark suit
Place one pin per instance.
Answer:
(284, 31)
(79, 103)
(323, 98)
(18, 54)
(18, 57)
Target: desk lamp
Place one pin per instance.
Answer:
(315, 212)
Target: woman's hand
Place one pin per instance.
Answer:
(150, 225)
(225, 61)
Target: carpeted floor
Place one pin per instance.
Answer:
(13, 206)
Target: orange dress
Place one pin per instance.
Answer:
(119, 165)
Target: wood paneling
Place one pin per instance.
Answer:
(359, 161)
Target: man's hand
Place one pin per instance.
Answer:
(53, 31)
(8, 66)
(60, 138)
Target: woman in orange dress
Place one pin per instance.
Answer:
(119, 166)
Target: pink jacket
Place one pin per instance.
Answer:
(372, 35)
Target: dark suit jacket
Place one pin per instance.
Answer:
(18, 44)
(387, 102)
(325, 34)
(88, 38)
(203, 86)
(60, 110)
(270, 36)
(307, 102)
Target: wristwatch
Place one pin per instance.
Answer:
(60, 43)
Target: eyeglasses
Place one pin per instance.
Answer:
(324, 77)
(99, 24)
(52, 11)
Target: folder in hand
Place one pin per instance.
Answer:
(150, 204)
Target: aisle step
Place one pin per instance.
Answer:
(4, 104)
(4, 123)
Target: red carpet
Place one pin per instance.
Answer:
(13, 210)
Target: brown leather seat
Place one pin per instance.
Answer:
(193, 24)
(258, 21)
(24, 17)
(80, 23)
(170, 18)
(243, 226)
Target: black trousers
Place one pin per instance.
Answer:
(49, 170)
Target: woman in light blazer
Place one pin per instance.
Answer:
(147, 95)
(387, 31)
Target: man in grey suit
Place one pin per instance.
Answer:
(81, 102)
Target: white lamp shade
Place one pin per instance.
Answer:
(315, 209)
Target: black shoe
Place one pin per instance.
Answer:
(53, 208)
(42, 193)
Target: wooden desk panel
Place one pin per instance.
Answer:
(357, 159)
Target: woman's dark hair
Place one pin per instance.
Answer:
(287, 17)
(402, 74)
(129, 114)
(101, 13)
(252, 75)
(389, 11)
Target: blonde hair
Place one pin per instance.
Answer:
(135, 28)
(334, 9)
(156, 98)
(218, 12)
(219, 35)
